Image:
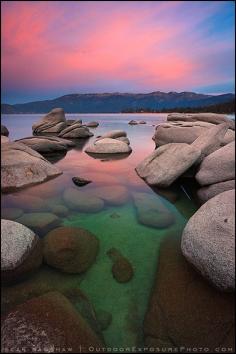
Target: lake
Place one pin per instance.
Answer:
(115, 226)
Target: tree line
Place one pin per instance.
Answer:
(226, 107)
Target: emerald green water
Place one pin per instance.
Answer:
(140, 244)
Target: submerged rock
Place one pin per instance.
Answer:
(112, 195)
(27, 202)
(80, 201)
(183, 306)
(53, 122)
(78, 181)
(59, 209)
(71, 250)
(122, 269)
(167, 163)
(39, 222)
(108, 146)
(4, 130)
(104, 318)
(46, 323)
(151, 210)
(208, 240)
(22, 167)
(11, 213)
(208, 192)
(218, 166)
(21, 251)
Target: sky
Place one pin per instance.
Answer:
(54, 48)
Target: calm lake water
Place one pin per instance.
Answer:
(127, 302)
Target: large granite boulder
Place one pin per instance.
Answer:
(219, 166)
(4, 130)
(75, 131)
(48, 144)
(21, 251)
(167, 163)
(210, 140)
(53, 122)
(208, 192)
(208, 240)
(108, 146)
(81, 201)
(183, 306)
(204, 117)
(21, 167)
(185, 132)
(151, 211)
(69, 249)
(45, 324)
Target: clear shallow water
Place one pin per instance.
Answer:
(139, 243)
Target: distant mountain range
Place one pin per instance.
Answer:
(118, 102)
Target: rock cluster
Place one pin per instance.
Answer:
(113, 142)
(206, 144)
(55, 123)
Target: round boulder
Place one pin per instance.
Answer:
(71, 250)
(21, 251)
(208, 240)
(108, 146)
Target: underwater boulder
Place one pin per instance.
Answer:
(122, 269)
(46, 323)
(70, 249)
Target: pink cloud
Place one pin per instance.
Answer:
(48, 44)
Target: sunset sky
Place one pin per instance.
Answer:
(54, 48)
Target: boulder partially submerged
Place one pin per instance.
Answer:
(53, 122)
(208, 240)
(108, 146)
(167, 163)
(75, 131)
(46, 144)
(21, 167)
